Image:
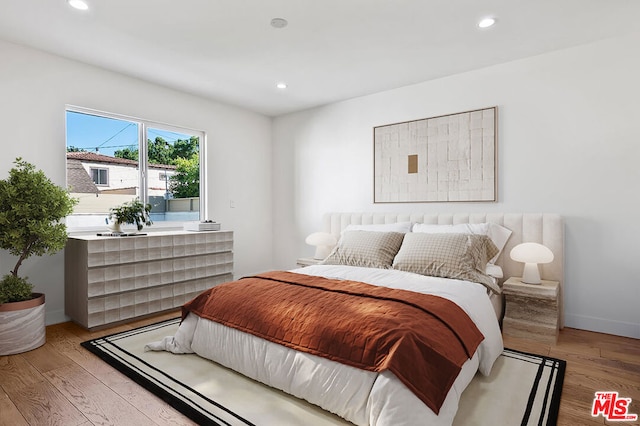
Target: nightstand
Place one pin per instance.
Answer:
(531, 310)
(307, 261)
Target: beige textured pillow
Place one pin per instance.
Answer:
(366, 248)
(498, 234)
(458, 256)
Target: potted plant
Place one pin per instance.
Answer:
(133, 212)
(31, 210)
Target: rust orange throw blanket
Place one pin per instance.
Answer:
(422, 339)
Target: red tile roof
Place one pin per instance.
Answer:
(99, 158)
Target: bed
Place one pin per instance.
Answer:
(371, 252)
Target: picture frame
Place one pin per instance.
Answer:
(447, 158)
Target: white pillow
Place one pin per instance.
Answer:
(494, 271)
(498, 234)
(461, 228)
(403, 227)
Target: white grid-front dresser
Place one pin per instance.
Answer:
(112, 279)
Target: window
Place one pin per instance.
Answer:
(100, 176)
(112, 159)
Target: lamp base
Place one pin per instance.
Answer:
(531, 274)
(322, 252)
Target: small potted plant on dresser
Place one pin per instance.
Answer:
(31, 210)
(133, 212)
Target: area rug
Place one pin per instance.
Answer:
(523, 389)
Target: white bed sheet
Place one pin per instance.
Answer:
(362, 397)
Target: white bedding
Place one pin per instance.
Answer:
(362, 397)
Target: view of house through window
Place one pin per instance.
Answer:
(112, 160)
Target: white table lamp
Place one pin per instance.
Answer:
(323, 241)
(531, 254)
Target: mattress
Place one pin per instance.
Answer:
(362, 397)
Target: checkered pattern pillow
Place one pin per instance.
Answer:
(458, 256)
(366, 248)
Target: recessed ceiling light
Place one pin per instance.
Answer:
(279, 23)
(281, 85)
(486, 22)
(78, 4)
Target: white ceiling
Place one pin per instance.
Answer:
(331, 50)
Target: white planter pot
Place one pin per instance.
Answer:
(115, 227)
(22, 326)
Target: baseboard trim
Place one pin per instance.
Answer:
(601, 325)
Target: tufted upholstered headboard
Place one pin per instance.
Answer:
(547, 229)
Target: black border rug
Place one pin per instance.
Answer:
(523, 388)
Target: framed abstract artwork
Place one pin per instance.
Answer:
(439, 159)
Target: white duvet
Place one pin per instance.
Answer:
(362, 397)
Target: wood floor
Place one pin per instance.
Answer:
(63, 384)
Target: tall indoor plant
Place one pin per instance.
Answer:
(31, 210)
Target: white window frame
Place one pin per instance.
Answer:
(98, 170)
(143, 124)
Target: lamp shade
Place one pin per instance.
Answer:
(531, 254)
(323, 241)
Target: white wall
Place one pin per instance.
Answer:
(34, 88)
(569, 143)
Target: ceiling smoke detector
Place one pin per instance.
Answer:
(279, 23)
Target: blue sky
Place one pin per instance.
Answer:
(107, 134)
